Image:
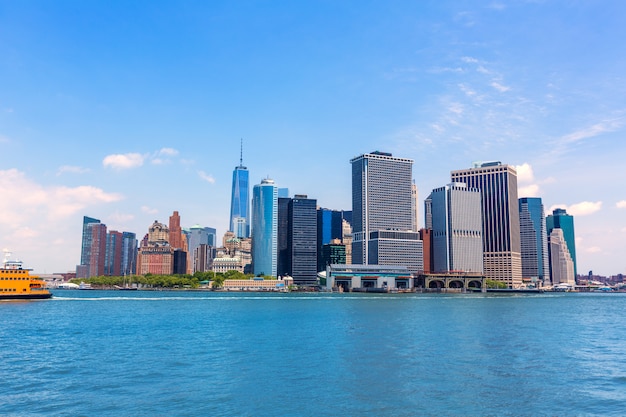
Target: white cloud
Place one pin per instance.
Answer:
(206, 177)
(594, 130)
(33, 215)
(469, 60)
(168, 152)
(500, 87)
(621, 204)
(583, 208)
(525, 173)
(71, 170)
(528, 191)
(149, 210)
(456, 108)
(123, 161)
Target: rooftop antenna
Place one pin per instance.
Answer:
(241, 153)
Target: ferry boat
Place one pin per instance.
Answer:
(16, 283)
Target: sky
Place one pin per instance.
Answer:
(127, 111)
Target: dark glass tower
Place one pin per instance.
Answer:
(534, 239)
(240, 201)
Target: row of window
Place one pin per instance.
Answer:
(15, 279)
(8, 290)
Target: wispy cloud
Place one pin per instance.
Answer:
(500, 87)
(69, 169)
(123, 161)
(583, 208)
(593, 130)
(206, 177)
(621, 204)
(149, 210)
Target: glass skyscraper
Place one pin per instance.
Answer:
(559, 219)
(534, 239)
(240, 202)
(500, 209)
(265, 228)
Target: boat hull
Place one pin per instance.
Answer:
(26, 296)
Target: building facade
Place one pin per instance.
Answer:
(240, 201)
(500, 216)
(561, 263)
(265, 228)
(331, 225)
(534, 240)
(382, 200)
(456, 229)
(559, 219)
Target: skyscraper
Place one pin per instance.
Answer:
(382, 212)
(500, 215)
(113, 258)
(534, 240)
(176, 235)
(240, 201)
(561, 263)
(265, 228)
(559, 219)
(457, 229)
(303, 240)
(129, 253)
(93, 249)
(331, 225)
(196, 236)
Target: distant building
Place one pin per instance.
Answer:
(456, 229)
(500, 215)
(175, 232)
(415, 207)
(196, 236)
(331, 225)
(203, 258)
(368, 277)
(93, 249)
(559, 219)
(156, 256)
(427, 249)
(562, 265)
(333, 253)
(265, 228)
(129, 253)
(240, 201)
(113, 258)
(382, 212)
(534, 240)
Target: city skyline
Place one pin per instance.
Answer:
(128, 123)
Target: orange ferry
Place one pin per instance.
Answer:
(17, 283)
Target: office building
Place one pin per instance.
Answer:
(240, 201)
(129, 253)
(534, 240)
(500, 216)
(265, 228)
(331, 225)
(333, 253)
(176, 233)
(561, 263)
(196, 236)
(382, 212)
(113, 257)
(93, 249)
(456, 229)
(155, 255)
(302, 240)
(415, 207)
(559, 219)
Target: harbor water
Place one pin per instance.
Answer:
(136, 353)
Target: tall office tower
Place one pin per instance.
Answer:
(382, 215)
(240, 201)
(457, 229)
(93, 249)
(426, 235)
(196, 236)
(113, 257)
(302, 250)
(497, 183)
(415, 207)
(534, 240)
(561, 263)
(176, 233)
(129, 253)
(265, 228)
(559, 219)
(283, 267)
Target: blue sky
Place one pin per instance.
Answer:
(127, 111)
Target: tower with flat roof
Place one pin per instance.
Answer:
(500, 217)
(559, 219)
(265, 228)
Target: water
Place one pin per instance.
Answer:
(252, 354)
